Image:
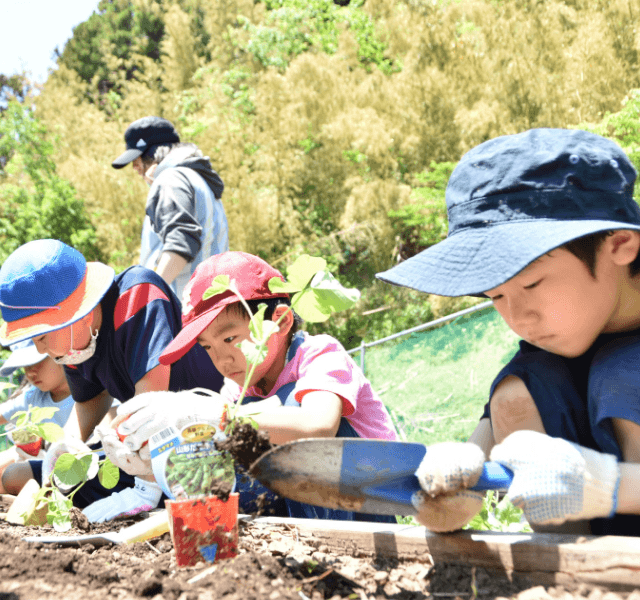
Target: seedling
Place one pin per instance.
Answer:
(317, 294)
(70, 470)
(498, 515)
(30, 431)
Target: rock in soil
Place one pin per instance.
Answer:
(275, 562)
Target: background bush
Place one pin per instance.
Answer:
(333, 127)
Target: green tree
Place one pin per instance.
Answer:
(35, 202)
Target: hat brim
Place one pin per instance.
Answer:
(79, 304)
(23, 357)
(475, 260)
(126, 157)
(188, 336)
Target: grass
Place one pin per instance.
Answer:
(435, 383)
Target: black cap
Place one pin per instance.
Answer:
(141, 135)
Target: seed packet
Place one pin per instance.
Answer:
(186, 463)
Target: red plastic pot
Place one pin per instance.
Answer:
(31, 448)
(203, 529)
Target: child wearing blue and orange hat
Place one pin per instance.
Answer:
(108, 331)
(307, 386)
(544, 223)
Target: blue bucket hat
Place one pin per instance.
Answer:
(46, 285)
(512, 199)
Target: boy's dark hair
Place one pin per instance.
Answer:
(586, 249)
(272, 304)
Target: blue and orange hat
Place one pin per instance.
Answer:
(46, 285)
(512, 199)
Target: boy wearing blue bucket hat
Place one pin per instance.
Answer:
(108, 331)
(544, 223)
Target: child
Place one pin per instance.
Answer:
(544, 223)
(46, 387)
(321, 391)
(109, 331)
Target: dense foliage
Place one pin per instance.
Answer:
(333, 127)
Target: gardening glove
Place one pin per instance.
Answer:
(445, 474)
(143, 497)
(556, 481)
(153, 412)
(130, 461)
(69, 445)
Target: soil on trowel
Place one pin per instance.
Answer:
(246, 444)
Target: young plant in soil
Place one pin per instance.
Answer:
(71, 471)
(315, 295)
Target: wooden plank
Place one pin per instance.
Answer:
(612, 561)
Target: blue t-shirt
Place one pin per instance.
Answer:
(32, 396)
(140, 316)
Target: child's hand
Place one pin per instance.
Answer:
(556, 481)
(445, 473)
(152, 412)
(130, 461)
(145, 496)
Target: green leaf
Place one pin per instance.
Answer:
(255, 324)
(260, 329)
(52, 432)
(59, 514)
(219, 285)
(299, 274)
(40, 413)
(109, 474)
(22, 418)
(323, 297)
(253, 353)
(4, 385)
(71, 470)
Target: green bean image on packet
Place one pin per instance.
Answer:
(186, 463)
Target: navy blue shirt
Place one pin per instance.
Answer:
(577, 398)
(140, 316)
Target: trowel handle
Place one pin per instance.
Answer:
(494, 477)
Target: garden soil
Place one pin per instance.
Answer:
(275, 562)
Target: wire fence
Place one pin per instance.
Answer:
(435, 378)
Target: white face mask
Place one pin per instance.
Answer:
(75, 357)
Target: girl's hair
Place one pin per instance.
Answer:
(586, 249)
(272, 304)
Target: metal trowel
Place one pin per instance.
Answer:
(153, 526)
(367, 476)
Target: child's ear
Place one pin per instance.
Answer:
(287, 321)
(623, 245)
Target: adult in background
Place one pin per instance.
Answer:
(185, 222)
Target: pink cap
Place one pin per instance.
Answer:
(251, 275)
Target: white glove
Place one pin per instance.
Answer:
(556, 481)
(152, 412)
(445, 473)
(130, 461)
(67, 446)
(144, 496)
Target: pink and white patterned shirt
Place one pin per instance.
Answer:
(322, 364)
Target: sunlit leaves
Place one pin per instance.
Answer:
(108, 474)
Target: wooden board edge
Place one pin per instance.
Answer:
(612, 561)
